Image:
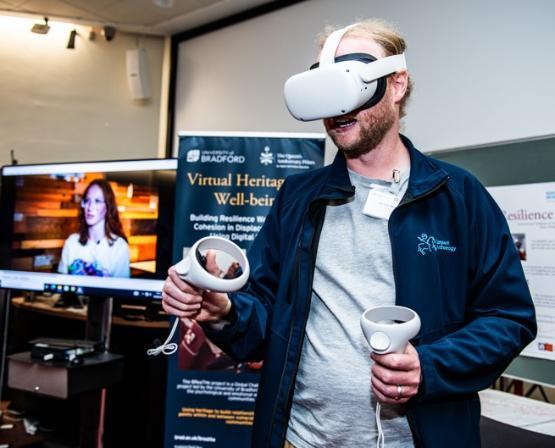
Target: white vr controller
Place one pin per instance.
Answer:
(192, 270)
(388, 329)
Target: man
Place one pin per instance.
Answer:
(382, 225)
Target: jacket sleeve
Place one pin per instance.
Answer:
(243, 339)
(500, 316)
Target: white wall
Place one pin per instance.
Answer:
(74, 105)
(484, 71)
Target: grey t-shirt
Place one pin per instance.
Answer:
(332, 402)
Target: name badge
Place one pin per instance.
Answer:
(380, 204)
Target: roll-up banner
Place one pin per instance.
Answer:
(226, 184)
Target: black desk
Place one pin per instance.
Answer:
(134, 414)
(510, 420)
(500, 435)
(64, 379)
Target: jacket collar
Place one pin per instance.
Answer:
(425, 175)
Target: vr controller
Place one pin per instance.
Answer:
(192, 268)
(339, 85)
(388, 329)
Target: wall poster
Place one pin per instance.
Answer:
(530, 212)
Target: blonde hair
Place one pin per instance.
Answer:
(384, 34)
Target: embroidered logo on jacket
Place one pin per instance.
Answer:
(428, 244)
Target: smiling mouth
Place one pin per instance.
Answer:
(344, 123)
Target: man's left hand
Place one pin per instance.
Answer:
(396, 376)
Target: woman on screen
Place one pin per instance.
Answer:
(100, 248)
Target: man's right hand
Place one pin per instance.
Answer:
(182, 299)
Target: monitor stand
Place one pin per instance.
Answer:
(68, 300)
(99, 320)
(152, 311)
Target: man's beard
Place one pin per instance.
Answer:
(375, 124)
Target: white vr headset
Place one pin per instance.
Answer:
(338, 85)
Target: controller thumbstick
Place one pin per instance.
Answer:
(379, 341)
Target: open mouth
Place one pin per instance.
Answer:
(344, 123)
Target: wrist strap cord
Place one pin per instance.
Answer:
(167, 348)
(380, 442)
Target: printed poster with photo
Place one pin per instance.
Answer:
(530, 212)
(226, 184)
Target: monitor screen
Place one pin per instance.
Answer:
(98, 228)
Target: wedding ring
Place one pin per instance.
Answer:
(399, 391)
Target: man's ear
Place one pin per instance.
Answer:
(399, 84)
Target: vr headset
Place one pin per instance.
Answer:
(338, 85)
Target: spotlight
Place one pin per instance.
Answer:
(109, 32)
(41, 28)
(71, 40)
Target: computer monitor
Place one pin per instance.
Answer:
(96, 228)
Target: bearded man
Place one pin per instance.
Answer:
(382, 225)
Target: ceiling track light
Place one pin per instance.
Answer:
(71, 40)
(41, 28)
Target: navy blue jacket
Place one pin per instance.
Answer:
(454, 263)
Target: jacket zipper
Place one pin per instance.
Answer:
(307, 301)
(306, 311)
(415, 434)
(296, 273)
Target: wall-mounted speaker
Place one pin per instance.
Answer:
(137, 74)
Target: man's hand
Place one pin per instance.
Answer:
(184, 300)
(396, 376)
